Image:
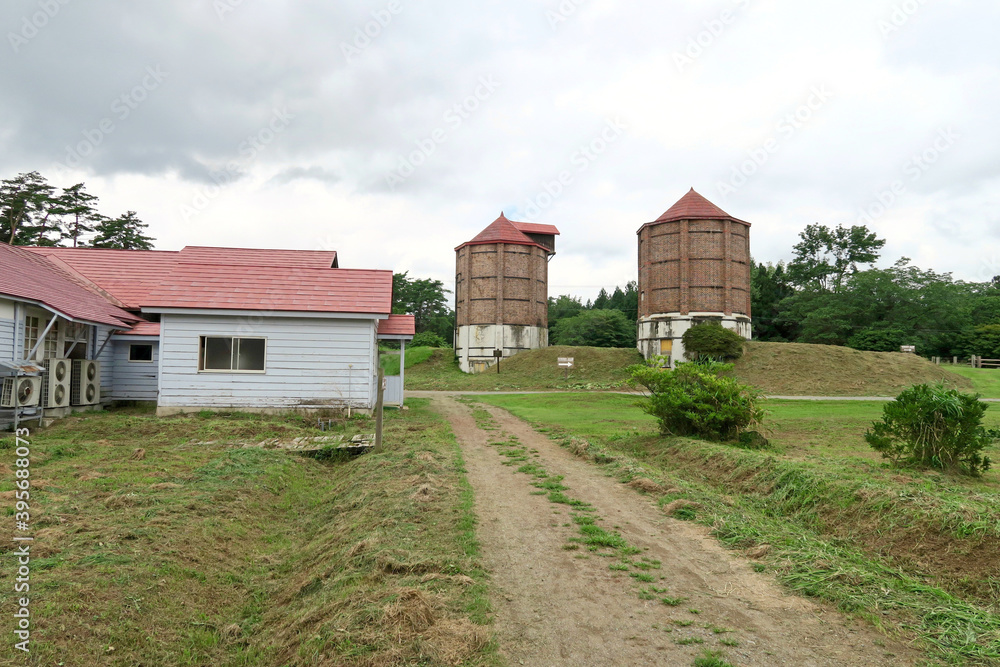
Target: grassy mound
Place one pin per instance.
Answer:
(208, 553)
(595, 368)
(798, 369)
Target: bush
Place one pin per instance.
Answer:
(931, 425)
(428, 339)
(695, 400)
(595, 328)
(712, 341)
(878, 339)
(983, 341)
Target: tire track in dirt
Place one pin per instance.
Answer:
(559, 607)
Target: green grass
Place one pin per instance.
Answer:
(985, 381)
(596, 368)
(711, 659)
(913, 551)
(414, 355)
(217, 554)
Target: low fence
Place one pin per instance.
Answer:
(979, 362)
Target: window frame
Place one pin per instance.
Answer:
(132, 346)
(233, 354)
(32, 329)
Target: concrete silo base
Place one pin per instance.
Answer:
(475, 344)
(662, 334)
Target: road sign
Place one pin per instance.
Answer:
(566, 362)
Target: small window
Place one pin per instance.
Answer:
(140, 352)
(242, 355)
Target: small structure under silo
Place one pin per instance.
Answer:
(502, 292)
(694, 267)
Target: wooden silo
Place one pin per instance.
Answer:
(694, 267)
(501, 292)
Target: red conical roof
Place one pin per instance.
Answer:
(693, 206)
(501, 230)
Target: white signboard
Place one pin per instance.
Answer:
(565, 362)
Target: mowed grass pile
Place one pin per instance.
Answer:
(798, 369)
(595, 368)
(913, 552)
(217, 554)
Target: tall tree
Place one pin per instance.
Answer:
(78, 210)
(26, 206)
(824, 257)
(126, 232)
(768, 288)
(424, 299)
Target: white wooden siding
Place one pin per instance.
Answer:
(107, 360)
(134, 380)
(310, 363)
(7, 330)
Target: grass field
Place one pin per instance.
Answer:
(199, 553)
(914, 552)
(986, 381)
(596, 368)
(414, 355)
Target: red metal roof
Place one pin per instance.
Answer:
(693, 206)
(144, 329)
(535, 228)
(234, 287)
(26, 275)
(309, 259)
(397, 325)
(128, 275)
(501, 230)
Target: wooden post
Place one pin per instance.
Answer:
(402, 371)
(378, 410)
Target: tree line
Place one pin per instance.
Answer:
(832, 293)
(36, 213)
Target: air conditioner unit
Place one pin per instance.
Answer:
(56, 383)
(26, 391)
(86, 384)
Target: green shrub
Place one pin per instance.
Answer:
(931, 425)
(695, 400)
(712, 341)
(428, 339)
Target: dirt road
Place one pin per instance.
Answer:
(564, 606)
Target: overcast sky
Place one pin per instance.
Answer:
(392, 131)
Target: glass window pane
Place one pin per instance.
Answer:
(218, 354)
(250, 354)
(140, 353)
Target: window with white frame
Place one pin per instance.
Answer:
(76, 338)
(231, 355)
(31, 331)
(140, 352)
(50, 347)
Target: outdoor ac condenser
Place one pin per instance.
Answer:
(28, 391)
(86, 384)
(56, 383)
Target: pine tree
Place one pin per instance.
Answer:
(126, 232)
(26, 205)
(77, 208)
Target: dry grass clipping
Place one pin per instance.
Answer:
(452, 642)
(139, 454)
(646, 485)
